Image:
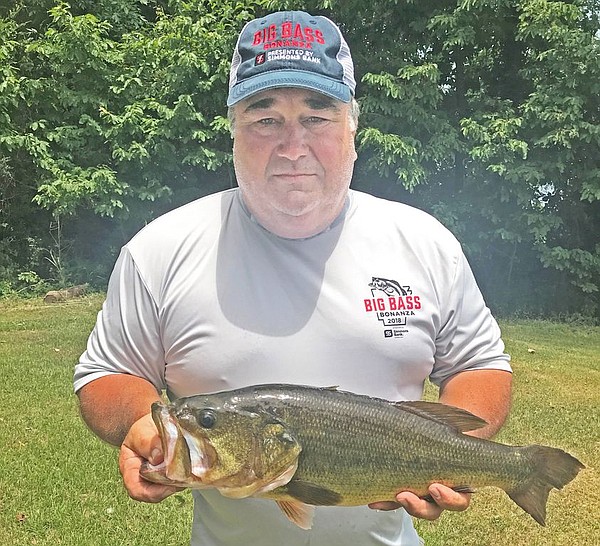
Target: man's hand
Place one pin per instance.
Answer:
(444, 499)
(142, 443)
(485, 393)
(116, 408)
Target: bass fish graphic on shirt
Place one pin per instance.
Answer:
(393, 309)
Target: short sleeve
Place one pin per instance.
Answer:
(469, 337)
(126, 337)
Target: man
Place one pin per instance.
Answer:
(291, 278)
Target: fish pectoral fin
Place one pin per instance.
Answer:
(297, 512)
(457, 418)
(310, 493)
(301, 508)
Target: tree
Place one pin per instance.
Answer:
(484, 113)
(120, 121)
(487, 112)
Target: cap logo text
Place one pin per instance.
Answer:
(286, 32)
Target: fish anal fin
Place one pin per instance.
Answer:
(457, 488)
(310, 493)
(457, 418)
(297, 512)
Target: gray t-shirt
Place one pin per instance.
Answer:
(204, 299)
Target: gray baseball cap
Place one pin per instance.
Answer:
(291, 49)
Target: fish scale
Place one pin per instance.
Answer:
(382, 448)
(304, 446)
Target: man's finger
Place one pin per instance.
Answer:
(418, 507)
(448, 499)
(137, 487)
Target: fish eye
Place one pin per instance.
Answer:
(207, 419)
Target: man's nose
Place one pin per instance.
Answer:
(294, 141)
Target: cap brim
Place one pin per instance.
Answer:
(289, 78)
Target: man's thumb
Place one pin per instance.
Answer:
(156, 454)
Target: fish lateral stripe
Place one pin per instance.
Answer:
(352, 449)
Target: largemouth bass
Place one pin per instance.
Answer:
(305, 447)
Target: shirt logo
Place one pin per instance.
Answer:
(388, 286)
(393, 304)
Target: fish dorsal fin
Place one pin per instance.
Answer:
(457, 418)
(297, 512)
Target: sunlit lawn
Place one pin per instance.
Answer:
(60, 485)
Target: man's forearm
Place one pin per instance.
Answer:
(111, 404)
(485, 393)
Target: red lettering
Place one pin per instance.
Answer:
(392, 304)
(265, 35)
(417, 302)
(375, 304)
(298, 32)
(286, 30)
(308, 34)
(319, 36)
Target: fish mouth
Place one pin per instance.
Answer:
(201, 454)
(187, 457)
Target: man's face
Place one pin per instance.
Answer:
(293, 155)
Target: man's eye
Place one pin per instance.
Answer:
(315, 120)
(266, 121)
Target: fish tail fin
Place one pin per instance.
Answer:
(554, 468)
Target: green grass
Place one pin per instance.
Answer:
(59, 485)
(556, 402)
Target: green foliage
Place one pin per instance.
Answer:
(119, 121)
(110, 109)
(583, 266)
(488, 113)
(483, 112)
(406, 99)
